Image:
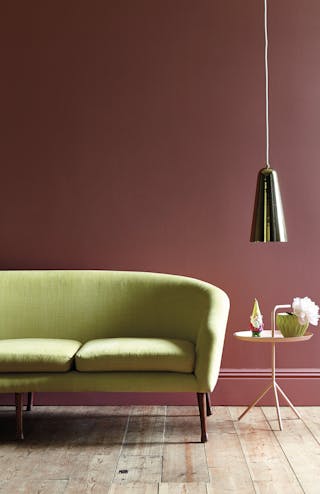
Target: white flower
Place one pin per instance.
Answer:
(306, 310)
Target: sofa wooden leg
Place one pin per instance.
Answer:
(208, 400)
(30, 402)
(203, 417)
(19, 420)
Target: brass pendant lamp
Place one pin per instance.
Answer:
(268, 223)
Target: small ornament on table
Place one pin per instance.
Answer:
(256, 320)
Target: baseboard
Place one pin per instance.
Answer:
(295, 373)
(241, 386)
(235, 387)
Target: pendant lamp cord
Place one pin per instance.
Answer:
(266, 80)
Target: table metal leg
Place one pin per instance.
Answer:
(261, 395)
(288, 401)
(275, 386)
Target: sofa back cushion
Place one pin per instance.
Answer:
(86, 305)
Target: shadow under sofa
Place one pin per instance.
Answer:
(109, 331)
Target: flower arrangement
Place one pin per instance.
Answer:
(295, 323)
(306, 310)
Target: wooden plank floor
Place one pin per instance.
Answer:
(156, 450)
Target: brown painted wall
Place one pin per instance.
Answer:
(131, 136)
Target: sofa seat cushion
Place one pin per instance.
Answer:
(37, 355)
(136, 354)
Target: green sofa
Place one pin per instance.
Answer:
(73, 331)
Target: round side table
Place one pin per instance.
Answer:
(273, 337)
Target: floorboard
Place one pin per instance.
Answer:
(228, 467)
(266, 460)
(156, 450)
(300, 447)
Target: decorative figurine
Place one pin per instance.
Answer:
(256, 322)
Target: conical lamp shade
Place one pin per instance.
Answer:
(268, 224)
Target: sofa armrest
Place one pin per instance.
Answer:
(209, 345)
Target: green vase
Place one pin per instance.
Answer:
(289, 325)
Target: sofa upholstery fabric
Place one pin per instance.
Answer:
(136, 354)
(88, 305)
(37, 354)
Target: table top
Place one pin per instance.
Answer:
(266, 337)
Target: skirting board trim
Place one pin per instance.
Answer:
(295, 373)
(240, 386)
